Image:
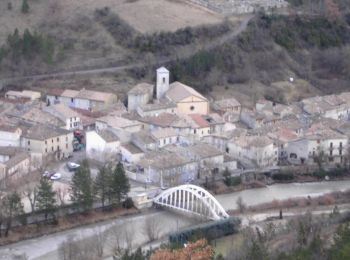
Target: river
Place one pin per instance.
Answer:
(46, 247)
(281, 192)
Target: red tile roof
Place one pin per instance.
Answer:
(199, 120)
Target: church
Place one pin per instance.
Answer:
(187, 100)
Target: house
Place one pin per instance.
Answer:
(282, 138)
(10, 135)
(25, 94)
(34, 115)
(155, 109)
(257, 149)
(326, 145)
(165, 136)
(331, 106)
(14, 163)
(48, 141)
(229, 109)
(67, 115)
(83, 99)
(167, 169)
(131, 153)
(102, 145)
(144, 140)
(251, 118)
(140, 95)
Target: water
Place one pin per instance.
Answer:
(281, 192)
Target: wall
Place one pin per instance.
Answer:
(10, 139)
(193, 105)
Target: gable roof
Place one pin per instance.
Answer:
(179, 91)
(108, 136)
(43, 132)
(142, 88)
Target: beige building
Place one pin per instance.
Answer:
(25, 94)
(13, 163)
(188, 100)
(139, 95)
(48, 141)
(83, 99)
(67, 115)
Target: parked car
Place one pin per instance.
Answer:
(56, 176)
(48, 174)
(72, 166)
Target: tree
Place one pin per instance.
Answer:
(102, 184)
(197, 250)
(32, 196)
(152, 228)
(46, 198)
(12, 207)
(25, 7)
(120, 184)
(240, 204)
(81, 187)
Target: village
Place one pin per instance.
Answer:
(168, 134)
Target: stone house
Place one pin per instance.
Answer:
(14, 163)
(25, 94)
(229, 109)
(131, 153)
(71, 118)
(144, 140)
(48, 141)
(140, 95)
(258, 149)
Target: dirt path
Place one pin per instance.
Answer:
(183, 55)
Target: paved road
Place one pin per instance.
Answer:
(181, 55)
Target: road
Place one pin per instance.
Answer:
(177, 56)
(46, 247)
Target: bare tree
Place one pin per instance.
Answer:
(100, 238)
(241, 205)
(116, 237)
(152, 227)
(129, 234)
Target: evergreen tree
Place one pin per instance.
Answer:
(12, 207)
(46, 201)
(25, 7)
(102, 184)
(120, 184)
(82, 187)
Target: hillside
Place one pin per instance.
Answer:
(309, 44)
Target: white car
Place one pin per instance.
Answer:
(56, 176)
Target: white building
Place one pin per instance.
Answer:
(10, 135)
(67, 115)
(258, 149)
(102, 146)
(162, 82)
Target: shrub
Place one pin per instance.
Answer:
(232, 181)
(128, 203)
(283, 176)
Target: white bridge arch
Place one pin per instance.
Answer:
(192, 199)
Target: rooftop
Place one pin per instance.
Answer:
(108, 136)
(226, 103)
(164, 133)
(43, 132)
(94, 95)
(142, 88)
(132, 148)
(179, 91)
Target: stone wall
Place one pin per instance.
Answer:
(240, 6)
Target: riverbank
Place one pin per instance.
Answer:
(31, 231)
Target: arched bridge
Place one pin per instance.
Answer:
(191, 199)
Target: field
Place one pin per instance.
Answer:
(143, 15)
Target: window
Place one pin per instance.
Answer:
(331, 152)
(163, 80)
(66, 138)
(58, 147)
(340, 151)
(318, 141)
(331, 144)
(28, 142)
(45, 150)
(66, 146)
(52, 148)
(72, 100)
(195, 131)
(341, 144)
(192, 108)
(45, 142)
(51, 140)
(58, 139)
